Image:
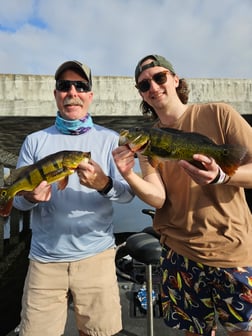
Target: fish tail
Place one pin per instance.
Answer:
(231, 159)
(5, 202)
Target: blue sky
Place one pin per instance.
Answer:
(201, 38)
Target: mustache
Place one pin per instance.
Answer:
(73, 101)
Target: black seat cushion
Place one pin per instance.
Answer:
(144, 247)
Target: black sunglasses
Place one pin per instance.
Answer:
(65, 85)
(159, 78)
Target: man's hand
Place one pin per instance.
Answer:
(42, 193)
(91, 175)
(124, 159)
(201, 176)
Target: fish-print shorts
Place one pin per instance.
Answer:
(194, 295)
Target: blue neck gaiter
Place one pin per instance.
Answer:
(74, 127)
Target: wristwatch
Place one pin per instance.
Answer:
(107, 187)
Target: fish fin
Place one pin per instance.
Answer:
(171, 130)
(14, 175)
(194, 137)
(6, 209)
(154, 161)
(63, 183)
(232, 159)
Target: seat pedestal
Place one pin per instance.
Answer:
(146, 249)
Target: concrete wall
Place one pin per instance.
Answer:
(31, 95)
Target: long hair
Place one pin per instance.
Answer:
(182, 92)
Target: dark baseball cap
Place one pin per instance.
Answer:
(81, 68)
(157, 61)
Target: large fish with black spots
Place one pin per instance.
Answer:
(52, 168)
(160, 144)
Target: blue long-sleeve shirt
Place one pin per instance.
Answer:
(77, 222)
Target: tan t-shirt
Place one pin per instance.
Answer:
(211, 224)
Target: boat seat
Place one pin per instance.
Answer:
(144, 247)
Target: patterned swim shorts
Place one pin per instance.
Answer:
(194, 295)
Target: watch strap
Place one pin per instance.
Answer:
(107, 187)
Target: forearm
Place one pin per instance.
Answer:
(150, 190)
(242, 177)
(23, 204)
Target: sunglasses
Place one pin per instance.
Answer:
(65, 85)
(159, 78)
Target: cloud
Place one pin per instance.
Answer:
(201, 38)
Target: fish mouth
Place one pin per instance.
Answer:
(122, 140)
(123, 137)
(139, 147)
(133, 145)
(136, 144)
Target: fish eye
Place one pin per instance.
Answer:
(3, 193)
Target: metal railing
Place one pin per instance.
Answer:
(18, 222)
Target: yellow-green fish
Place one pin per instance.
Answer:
(52, 168)
(171, 144)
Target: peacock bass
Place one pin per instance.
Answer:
(160, 144)
(52, 168)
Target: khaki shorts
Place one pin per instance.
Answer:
(94, 288)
